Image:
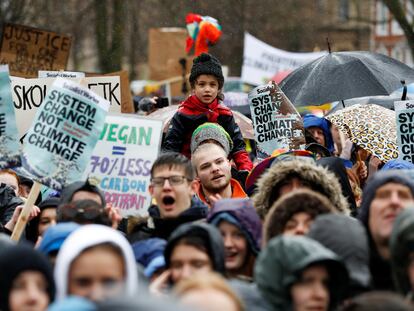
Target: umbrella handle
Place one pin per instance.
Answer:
(404, 94)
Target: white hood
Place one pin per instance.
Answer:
(86, 237)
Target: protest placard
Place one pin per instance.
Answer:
(276, 122)
(28, 94)
(404, 113)
(64, 133)
(9, 138)
(62, 74)
(262, 61)
(28, 50)
(122, 159)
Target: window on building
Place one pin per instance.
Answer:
(343, 10)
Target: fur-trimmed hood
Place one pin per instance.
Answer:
(320, 179)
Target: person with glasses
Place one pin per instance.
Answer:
(173, 188)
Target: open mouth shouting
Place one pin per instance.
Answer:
(168, 202)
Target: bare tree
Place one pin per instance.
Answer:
(403, 19)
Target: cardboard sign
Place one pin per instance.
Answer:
(28, 50)
(262, 61)
(62, 74)
(276, 122)
(122, 160)
(404, 112)
(28, 94)
(127, 105)
(9, 138)
(64, 133)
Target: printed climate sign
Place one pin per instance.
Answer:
(9, 138)
(122, 161)
(28, 95)
(262, 61)
(27, 50)
(64, 133)
(404, 112)
(276, 122)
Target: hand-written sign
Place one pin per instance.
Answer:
(404, 112)
(9, 139)
(28, 50)
(28, 94)
(64, 133)
(122, 159)
(276, 122)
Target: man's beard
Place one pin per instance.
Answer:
(216, 188)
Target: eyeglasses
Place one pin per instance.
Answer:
(173, 180)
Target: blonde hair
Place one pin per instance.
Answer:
(212, 281)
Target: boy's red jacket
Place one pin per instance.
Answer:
(191, 114)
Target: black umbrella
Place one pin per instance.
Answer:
(342, 75)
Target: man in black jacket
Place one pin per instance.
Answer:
(173, 188)
(384, 197)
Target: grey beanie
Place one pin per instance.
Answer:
(211, 131)
(379, 179)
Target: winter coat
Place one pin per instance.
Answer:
(86, 237)
(380, 268)
(242, 214)
(318, 178)
(8, 203)
(210, 235)
(281, 263)
(157, 227)
(191, 114)
(311, 120)
(336, 166)
(346, 237)
(402, 244)
(16, 259)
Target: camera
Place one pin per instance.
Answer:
(146, 104)
(161, 102)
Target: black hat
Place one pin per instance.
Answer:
(206, 64)
(17, 259)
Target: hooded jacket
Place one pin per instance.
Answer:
(311, 120)
(402, 244)
(281, 263)
(319, 179)
(346, 237)
(157, 227)
(191, 114)
(242, 214)
(210, 235)
(88, 236)
(380, 268)
(17, 259)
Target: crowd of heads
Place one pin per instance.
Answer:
(303, 230)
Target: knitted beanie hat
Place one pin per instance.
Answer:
(211, 131)
(206, 64)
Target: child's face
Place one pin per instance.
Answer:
(206, 88)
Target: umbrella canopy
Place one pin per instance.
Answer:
(165, 114)
(383, 101)
(278, 77)
(342, 75)
(371, 127)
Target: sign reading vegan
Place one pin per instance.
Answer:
(276, 122)
(64, 133)
(28, 95)
(28, 50)
(9, 138)
(122, 160)
(404, 112)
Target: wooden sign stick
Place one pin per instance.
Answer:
(24, 215)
